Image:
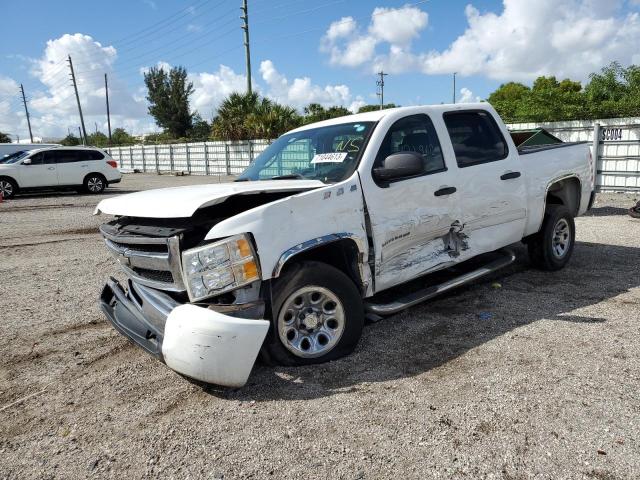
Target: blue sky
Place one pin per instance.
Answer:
(326, 51)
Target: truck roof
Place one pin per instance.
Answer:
(378, 115)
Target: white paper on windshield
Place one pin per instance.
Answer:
(333, 157)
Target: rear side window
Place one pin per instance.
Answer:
(415, 133)
(90, 155)
(476, 138)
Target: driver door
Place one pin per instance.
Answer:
(413, 220)
(40, 173)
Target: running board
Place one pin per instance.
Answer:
(414, 298)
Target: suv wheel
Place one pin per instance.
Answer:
(8, 188)
(95, 183)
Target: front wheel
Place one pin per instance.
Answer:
(8, 188)
(551, 248)
(318, 316)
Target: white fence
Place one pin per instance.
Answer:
(618, 148)
(618, 152)
(198, 158)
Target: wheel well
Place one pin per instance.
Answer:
(11, 179)
(93, 173)
(342, 254)
(565, 192)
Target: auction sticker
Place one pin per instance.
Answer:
(333, 157)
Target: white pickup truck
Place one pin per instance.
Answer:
(332, 222)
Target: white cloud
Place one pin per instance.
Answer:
(211, 88)
(566, 38)
(54, 109)
(301, 91)
(467, 96)
(397, 27)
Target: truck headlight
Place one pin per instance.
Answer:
(219, 267)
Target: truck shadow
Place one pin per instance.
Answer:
(433, 334)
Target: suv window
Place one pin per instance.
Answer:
(42, 158)
(64, 156)
(476, 138)
(90, 155)
(415, 133)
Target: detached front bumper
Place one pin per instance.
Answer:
(195, 341)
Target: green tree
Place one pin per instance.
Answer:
(121, 137)
(97, 139)
(168, 96)
(70, 141)
(270, 120)
(4, 138)
(231, 122)
(314, 112)
(200, 129)
(372, 108)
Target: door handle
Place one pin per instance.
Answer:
(445, 191)
(51, 168)
(510, 175)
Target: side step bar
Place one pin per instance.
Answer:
(414, 298)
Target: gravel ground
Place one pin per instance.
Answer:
(539, 378)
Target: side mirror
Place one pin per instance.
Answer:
(26, 161)
(399, 165)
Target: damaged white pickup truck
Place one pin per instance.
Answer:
(366, 213)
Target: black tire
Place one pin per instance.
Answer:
(8, 187)
(277, 349)
(94, 183)
(545, 252)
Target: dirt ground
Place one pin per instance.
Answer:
(537, 377)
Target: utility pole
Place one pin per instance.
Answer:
(26, 111)
(75, 87)
(380, 84)
(80, 135)
(454, 86)
(245, 27)
(106, 91)
(96, 124)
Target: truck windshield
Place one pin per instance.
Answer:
(329, 154)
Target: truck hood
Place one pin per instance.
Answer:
(181, 202)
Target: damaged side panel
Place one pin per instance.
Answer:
(309, 217)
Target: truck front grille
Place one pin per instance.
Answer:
(150, 261)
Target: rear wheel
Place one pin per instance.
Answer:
(8, 187)
(95, 183)
(317, 316)
(551, 248)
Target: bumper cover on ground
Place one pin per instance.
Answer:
(195, 341)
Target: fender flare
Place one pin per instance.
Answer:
(315, 243)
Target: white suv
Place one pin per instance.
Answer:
(80, 168)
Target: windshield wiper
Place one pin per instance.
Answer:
(241, 180)
(287, 176)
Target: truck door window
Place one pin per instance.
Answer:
(475, 137)
(415, 133)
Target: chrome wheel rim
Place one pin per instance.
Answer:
(311, 322)
(561, 238)
(6, 188)
(94, 184)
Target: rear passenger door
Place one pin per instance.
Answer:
(491, 189)
(70, 166)
(411, 218)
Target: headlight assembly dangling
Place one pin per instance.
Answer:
(219, 267)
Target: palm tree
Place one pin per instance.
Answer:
(270, 120)
(230, 124)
